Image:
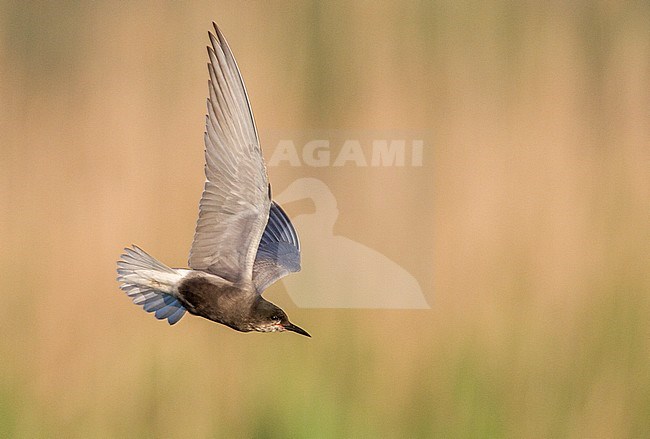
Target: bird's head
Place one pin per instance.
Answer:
(266, 317)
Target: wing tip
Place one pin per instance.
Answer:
(216, 38)
(217, 31)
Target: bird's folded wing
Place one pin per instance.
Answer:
(235, 202)
(279, 250)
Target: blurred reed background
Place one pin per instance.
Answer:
(528, 226)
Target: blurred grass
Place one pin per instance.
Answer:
(527, 226)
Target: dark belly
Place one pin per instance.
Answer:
(227, 305)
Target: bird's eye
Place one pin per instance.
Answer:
(275, 317)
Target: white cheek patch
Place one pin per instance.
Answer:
(269, 328)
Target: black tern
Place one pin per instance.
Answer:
(243, 242)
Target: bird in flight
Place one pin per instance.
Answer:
(243, 242)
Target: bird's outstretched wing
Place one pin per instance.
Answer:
(235, 203)
(279, 250)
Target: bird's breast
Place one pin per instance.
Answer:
(215, 299)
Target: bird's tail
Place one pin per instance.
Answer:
(150, 283)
